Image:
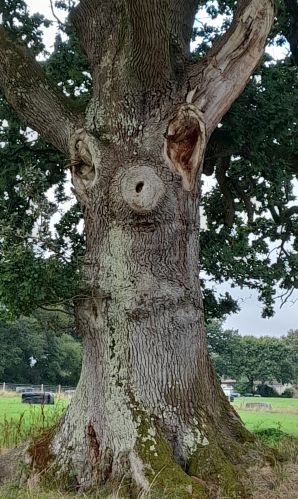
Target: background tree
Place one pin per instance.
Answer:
(225, 346)
(292, 342)
(264, 359)
(146, 376)
(44, 337)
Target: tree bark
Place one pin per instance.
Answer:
(146, 380)
(148, 410)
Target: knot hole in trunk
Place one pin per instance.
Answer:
(142, 189)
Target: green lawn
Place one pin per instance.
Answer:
(284, 414)
(254, 421)
(274, 401)
(18, 421)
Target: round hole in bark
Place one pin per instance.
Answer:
(142, 189)
(139, 186)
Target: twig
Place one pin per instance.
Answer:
(55, 310)
(60, 23)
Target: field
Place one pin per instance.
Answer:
(284, 414)
(18, 421)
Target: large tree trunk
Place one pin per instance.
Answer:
(148, 400)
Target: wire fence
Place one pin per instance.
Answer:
(21, 388)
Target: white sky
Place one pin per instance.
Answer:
(249, 320)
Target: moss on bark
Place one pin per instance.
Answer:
(209, 463)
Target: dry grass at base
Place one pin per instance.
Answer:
(268, 484)
(279, 481)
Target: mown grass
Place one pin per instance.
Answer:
(284, 414)
(18, 421)
(276, 402)
(255, 421)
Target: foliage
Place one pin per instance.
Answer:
(46, 338)
(271, 435)
(224, 346)
(248, 358)
(292, 341)
(253, 157)
(288, 393)
(266, 391)
(252, 231)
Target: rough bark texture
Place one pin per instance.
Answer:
(36, 101)
(148, 406)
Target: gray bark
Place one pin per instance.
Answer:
(145, 352)
(38, 103)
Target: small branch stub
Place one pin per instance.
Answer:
(185, 143)
(142, 189)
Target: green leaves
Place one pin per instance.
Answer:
(45, 337)
(249, 358)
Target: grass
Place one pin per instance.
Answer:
(288, 423)
(284, 415)
(276, 402)
(19, 421)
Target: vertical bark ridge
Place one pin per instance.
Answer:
(149, 52)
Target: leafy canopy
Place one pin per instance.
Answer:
(252, 156)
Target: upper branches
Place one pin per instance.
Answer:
(291, 30)
(223, 73)
(145, 42)
(27, 89)
(93, 22)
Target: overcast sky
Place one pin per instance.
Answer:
(249, 320)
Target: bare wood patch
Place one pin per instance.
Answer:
(185, 143)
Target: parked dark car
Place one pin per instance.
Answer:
(23, 389)
(38, 398)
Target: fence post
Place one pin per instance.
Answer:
(3, 387)
(41, 387)
(59, 389)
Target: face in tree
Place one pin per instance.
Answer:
(148, 407)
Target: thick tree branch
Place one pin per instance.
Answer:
(90, 18)
(224, 185)
(221, 76)
(291, 31)
(148, 27)
(182, 16)
(36, 101)
(151, 38)
(159, 38)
